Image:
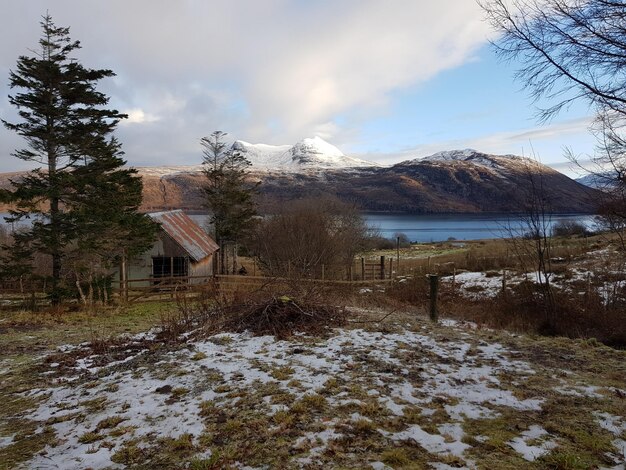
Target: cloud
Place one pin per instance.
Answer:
(527, 141)
(138, 116)
(271, 71)
(542, 142)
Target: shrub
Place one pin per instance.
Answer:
(568, 228)
(377, 242)
(307, 234)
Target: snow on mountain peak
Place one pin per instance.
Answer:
(461, 155)
(316, 146)
(497, 163)
(309, 153)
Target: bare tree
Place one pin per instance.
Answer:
(531, 241)
(608, 170)
(308, 234)
(569, 51)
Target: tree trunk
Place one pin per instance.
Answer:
(80, 292)
(55, 229)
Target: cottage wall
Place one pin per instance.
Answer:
(140, 267)
(178, 239)
(203, 267)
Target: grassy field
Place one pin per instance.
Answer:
(98, 389)
(401, 393)
(26, 338)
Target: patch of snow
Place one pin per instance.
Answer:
(454, 430)
(495, 163)
(431, 442)
(533, 452)
(170, 170)
(476, 284)
(590, 391)
(242, 362)
(470, 325)
(620, 445)
(6, 441)
(614, 424)
(379, 466)
(67, 347)
(445, 466)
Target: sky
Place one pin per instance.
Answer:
(383, 80)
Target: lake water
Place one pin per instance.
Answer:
(428, 228)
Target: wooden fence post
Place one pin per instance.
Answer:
(390, 268)
(382, 267)
(124, 278)
(362, 269)
(350, 273)
(434, 291)
(453, 279)
(504, 282)
(398, 254)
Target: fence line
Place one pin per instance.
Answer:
(360, 272)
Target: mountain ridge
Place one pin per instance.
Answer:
(308, 153)
(464, 181)
(458, 181)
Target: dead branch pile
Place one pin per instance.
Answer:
(281, 316)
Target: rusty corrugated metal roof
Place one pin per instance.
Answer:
(186, 233)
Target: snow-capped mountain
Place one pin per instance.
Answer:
(160, 171)
(474, 157)
(309, 153)
(602, 180)
(453, 181)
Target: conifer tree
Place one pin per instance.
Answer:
(79, 195)
(228, 193)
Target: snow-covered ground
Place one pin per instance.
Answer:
(410, 387)
(478, 285)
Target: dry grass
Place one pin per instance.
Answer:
(578, 309)
(240, 429)
(476, 255)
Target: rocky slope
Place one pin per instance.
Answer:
(459, 181)
(455, 181)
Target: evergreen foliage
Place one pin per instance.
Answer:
(229, 196)
(82, 202)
